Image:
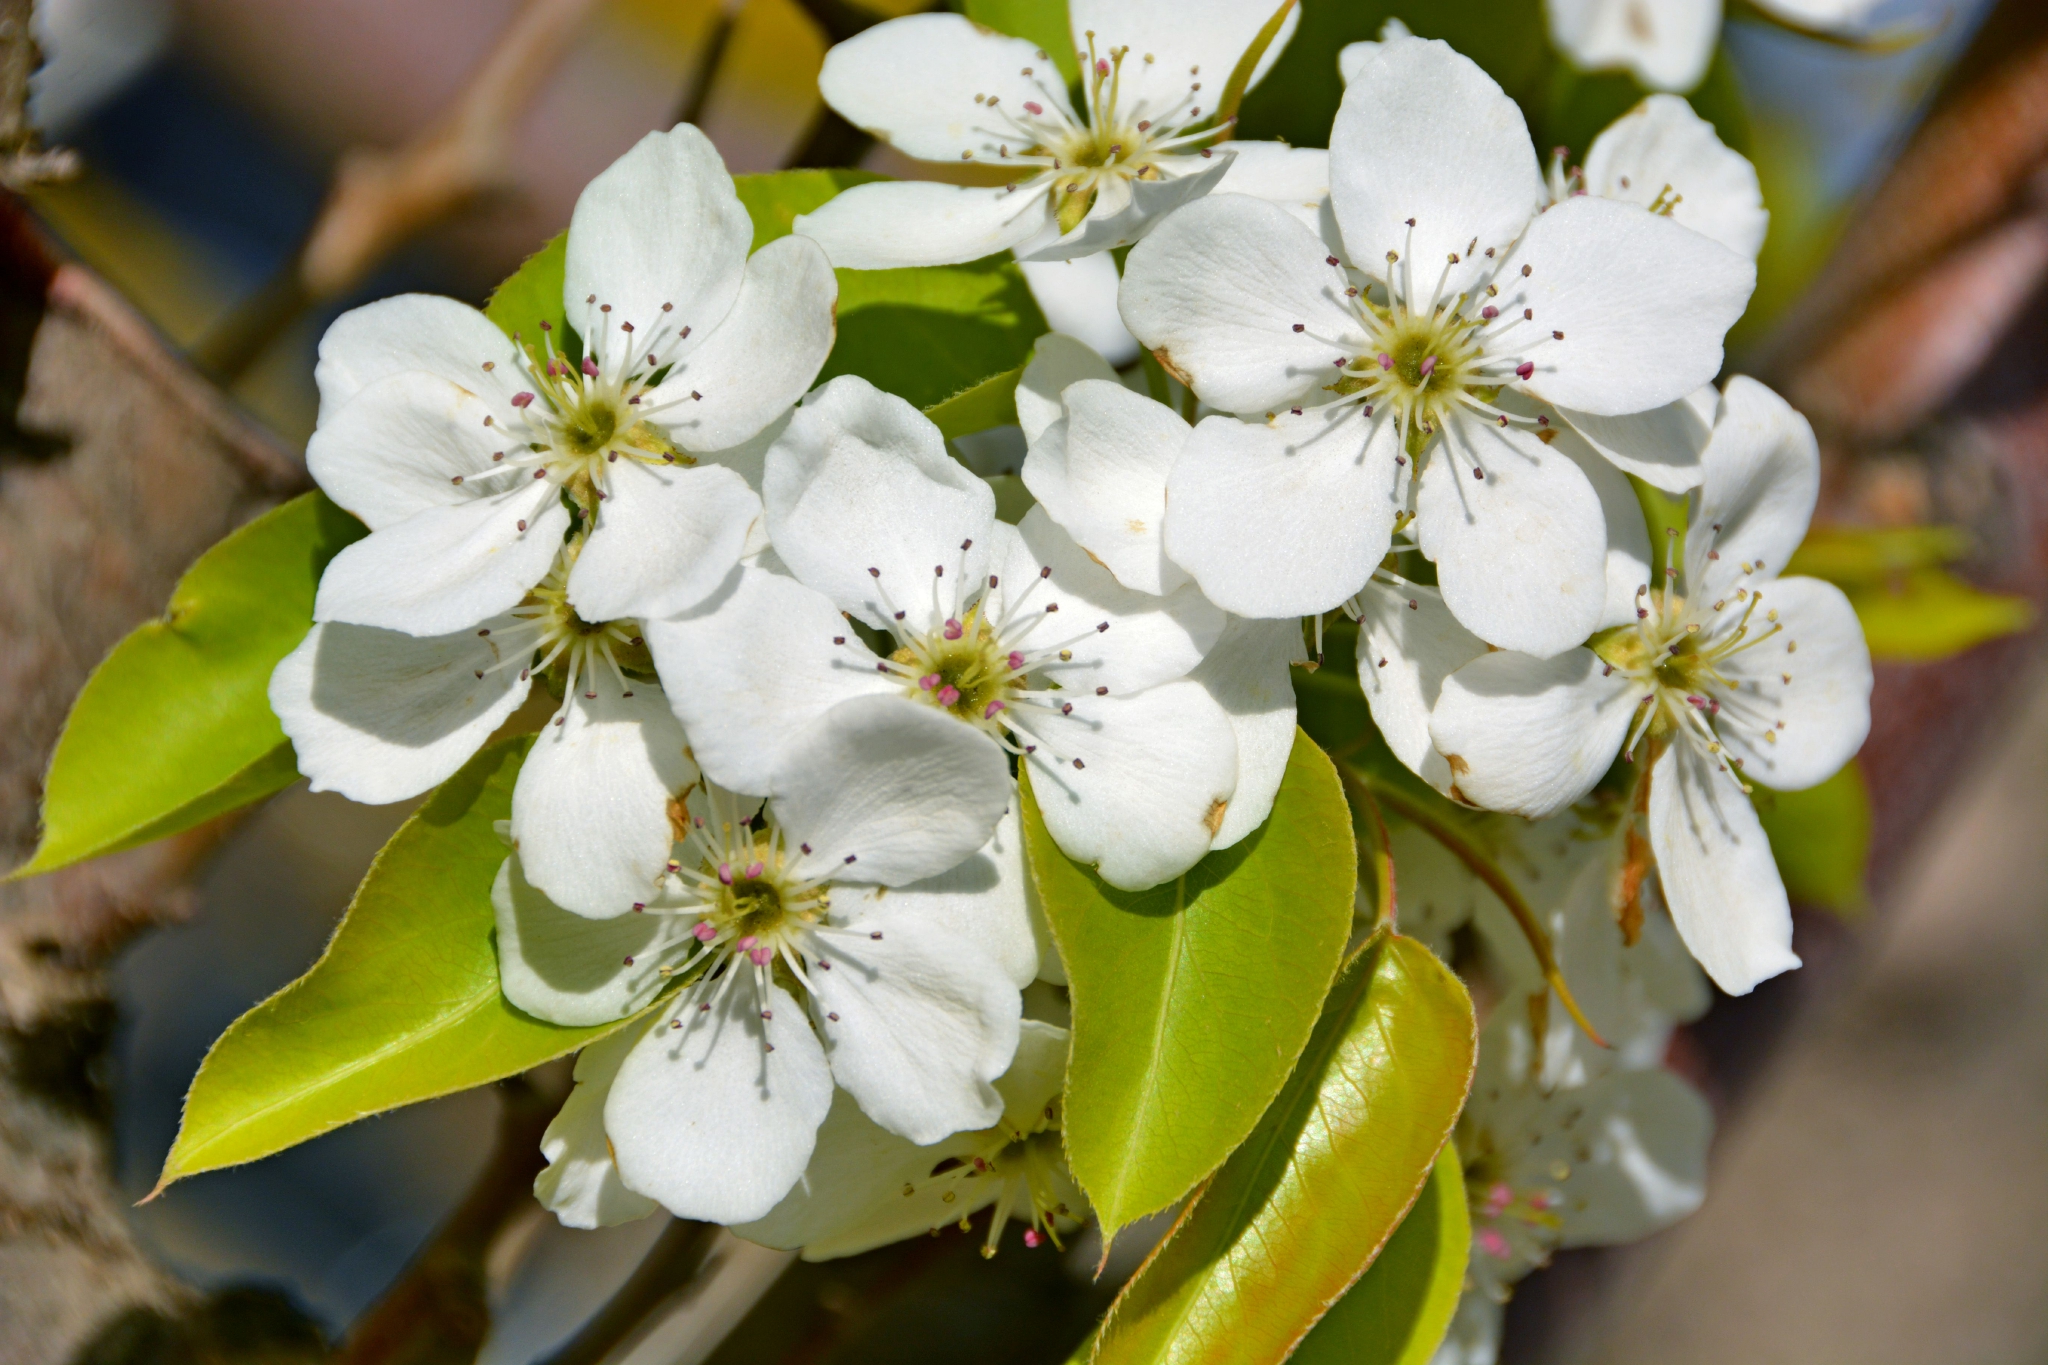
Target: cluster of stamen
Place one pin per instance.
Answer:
(1119, 141)
(582, 654)
(1569, 182)
(980, 664)
(1030, 1164)
(1515, 1225)
(581, 416)
(1676, 650)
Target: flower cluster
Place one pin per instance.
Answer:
(787, 667)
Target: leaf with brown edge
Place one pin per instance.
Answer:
(1303, 1208)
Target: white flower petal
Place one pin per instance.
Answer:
(913, 83)
(861, 480)
(708, 1121)
(1717, 872)
(581, 1185)
(917, 1023)
(1647, 1132)
(1820, 717)
(1661, 149)
(1826, 15)
(1289, 518)
(1059, 359)
(665, 539)
(1530, 736)
(1118, 638)
(1408, 643)
(889, 791)
(424, 332)
(752, 367)
(1762, 481)
(661, 225)
(590, 809)
(1246, 671)
(1218, 290)
(445, 568)
(1665, 43)
(1521, 554)
(1176, 42)
(1159, 769)
(750, 669)
(1629, 555)
(400, 445)
(901, 223)
(567, 969)
(981, 901)
(378, 715)
(1424, 134)
(1661, 446)
(1642, 302)
(1101, 474)
(1295, 178)
(1126, 210)
(1078, 298)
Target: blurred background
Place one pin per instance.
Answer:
(1881, 1178)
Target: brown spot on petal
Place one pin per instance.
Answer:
(1214, 819)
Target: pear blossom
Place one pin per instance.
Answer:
(942, 88)
(1668, 44)
(1012, 631)
(1667, 158)
(1729, 674)
(1097, 459)
(1466, 326)
(866, 928)
(866, 1187)
(1551, 1165)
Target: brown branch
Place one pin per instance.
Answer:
(23, 160)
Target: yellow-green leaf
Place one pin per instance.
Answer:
(1931, 614)
(1192, 1000)
(1299, 1212)
(403, 1006)
(991, 403)
(1039, 21)
(532, 294)
(174, 727)
(1820, 838)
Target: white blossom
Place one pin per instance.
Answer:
(866, 1187)
(868, 929)
(941, 88)
(1668, 44)
(1432, 367)
(1668, 159)
(1012, 631)
(1729, 674)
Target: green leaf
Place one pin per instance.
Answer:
(1931, 614)
(991, 403)
(532, 294)
(174, 727)
(928, 334)
(403, 1006)
(1038, 21)
(1192, 1000)
(1400, 1309)
(1821, 840)
(1863, 556)
(1304, 1206)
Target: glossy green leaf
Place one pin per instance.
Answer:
(1400, 1309)
(1192, 1000)
(403, 1006)
(991, 403)
(1039, 21)
(1304, 1206)
(928, 334)
(1820, 838)
(174, 727)
(1931, 614)
(532, 294)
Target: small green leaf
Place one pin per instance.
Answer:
(532, 294)
(1400, 1309)
(1037, 21)
(1931, 614)
(1192, 1000)
(991, 403)
(1304, 1206)
(1859, 556)
(403, 1006)
(1821, 840)
(175, 727)
(774, 200)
